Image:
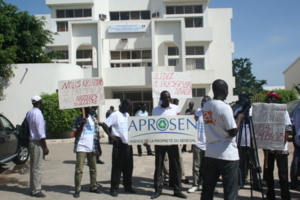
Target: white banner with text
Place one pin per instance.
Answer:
(80, 93)
(162, 130)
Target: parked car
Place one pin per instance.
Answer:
(291, 107)
(10, 148)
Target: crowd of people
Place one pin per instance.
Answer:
(223, 148)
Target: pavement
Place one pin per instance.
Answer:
(58, 180)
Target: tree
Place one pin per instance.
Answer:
(244, 79)
(297, 87)
(22, 40)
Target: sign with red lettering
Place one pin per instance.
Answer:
(80, 93)
(269, 125)
(179, 84)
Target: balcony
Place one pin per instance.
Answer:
(203, 34)
(69, 2)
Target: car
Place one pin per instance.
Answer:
(10, 148)
(291, 107)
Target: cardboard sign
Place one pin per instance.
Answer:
(269, 125)
(80, 93)
(162, 130)
(179, 84)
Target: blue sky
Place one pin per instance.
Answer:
(266, 31)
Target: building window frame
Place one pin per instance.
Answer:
(73, 13)
(62, 26)
(130, 15)
(193, 22)
(179, 10)
(198, 92)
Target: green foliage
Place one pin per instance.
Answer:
(244, 79)
(22, 40)
(57, 121)
(285, 95)
(297, 87)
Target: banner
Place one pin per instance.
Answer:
(80, 93)
(127, 28)
(269, 125)
(162, 130)
(179, 84)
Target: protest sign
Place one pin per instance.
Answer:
(79, 93)
(179, 84)
(162, 130)
(269, 125)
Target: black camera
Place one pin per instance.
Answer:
(245, 102)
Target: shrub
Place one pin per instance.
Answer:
(285, 95)
(57, 121)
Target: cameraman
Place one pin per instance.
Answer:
(245, 147)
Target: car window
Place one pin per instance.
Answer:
(6, 124)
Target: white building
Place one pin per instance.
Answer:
(292, 74)
(123, 41)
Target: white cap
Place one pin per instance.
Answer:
(36, 98)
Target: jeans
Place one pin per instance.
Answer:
(213, 168)
(295, 166)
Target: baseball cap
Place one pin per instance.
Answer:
(36, 98)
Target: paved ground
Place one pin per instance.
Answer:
(59, 177)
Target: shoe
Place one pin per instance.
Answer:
(156, 194)
(130, 190)
(38, 195)
(171, 184)
(77, 194)
(180, 195)
(150, 154)
(240, 187)
(113, 193)
(96, 191)
(292, 187)
(216, 191)
(192, 189)
(140, 154)
(186, 181)
(100, 162)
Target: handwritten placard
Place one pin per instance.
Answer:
(269, 125)
(80, 93)
(179, 84)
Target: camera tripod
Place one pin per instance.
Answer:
(246, 131)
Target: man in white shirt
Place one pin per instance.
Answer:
(166, 109)
(122, 158)
(37, 146)
(221, 155)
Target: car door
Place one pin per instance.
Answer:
(3, 144)
(11, 140)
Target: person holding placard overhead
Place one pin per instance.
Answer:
(281, 157)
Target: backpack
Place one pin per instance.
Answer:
(24, 133)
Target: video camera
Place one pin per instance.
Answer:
(245, 102)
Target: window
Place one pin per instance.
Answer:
(64, 55)
(173, 62)
(73, 13)
(195, 63)
(136, 64)
(198, 92)
(83, 54)
(136, 54)
(146, 54)
(171, 10)
(198, 50)
(134, 15)
(173, 51)
(62, 26)
(192, 22)
(115, 55)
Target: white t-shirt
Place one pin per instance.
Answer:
(86, 140)
(172, 110)
(200, 128)
(141, 113)
(218, 118)
(287, 122)
(119, 125)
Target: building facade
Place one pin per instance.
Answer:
(292, 74)
(123, 41)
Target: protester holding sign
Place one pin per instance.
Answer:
(281, 157)
(221, 155)
(122, 158)
(166, 109)
(86, 146)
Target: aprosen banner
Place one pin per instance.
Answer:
(162, 130)
(80, 93)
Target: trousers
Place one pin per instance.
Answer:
(37, 161)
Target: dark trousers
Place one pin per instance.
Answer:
(212, 169)
(282, 165)
(122, 162)
(295, 166)
(173, 154)
(148, 147)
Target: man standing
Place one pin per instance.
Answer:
(111, 110)
(86, 146)
(37, 146)
(199, 149)
(296, 155)
(166, 109)
(221, 155)
(143, 112)
(122, 158)
(189, 111)
(281, 158)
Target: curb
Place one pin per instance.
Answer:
(54, 141)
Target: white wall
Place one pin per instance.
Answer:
(30, 80)
(292, 74)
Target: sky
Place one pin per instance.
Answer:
(265, 31)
